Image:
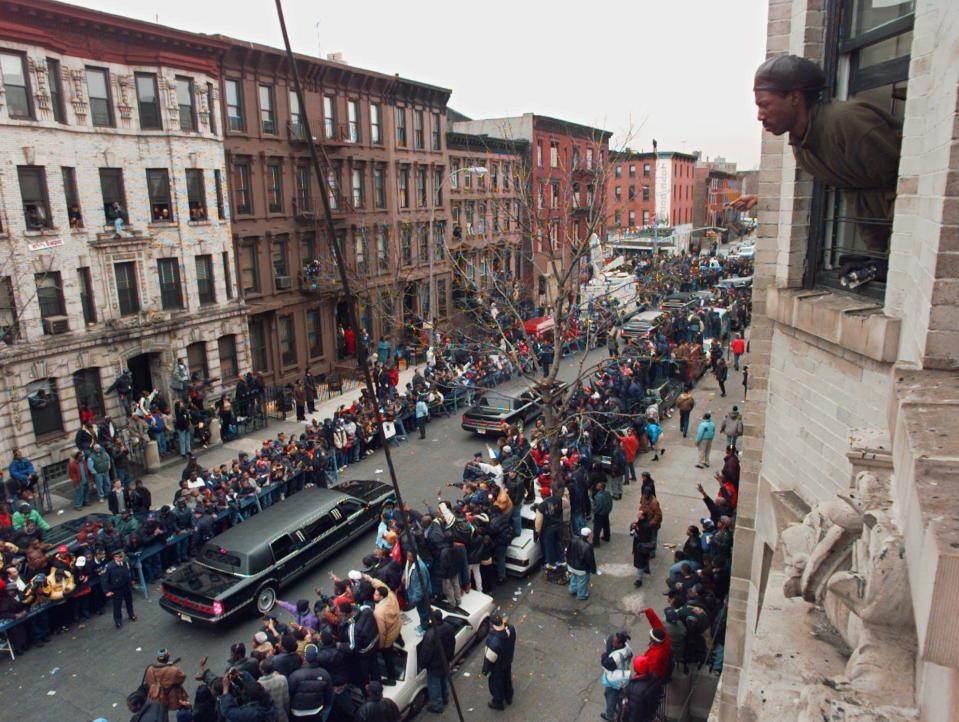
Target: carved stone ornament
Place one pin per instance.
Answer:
(125, 84)
(39, 70)
(78, 95)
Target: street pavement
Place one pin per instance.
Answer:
(88, 672)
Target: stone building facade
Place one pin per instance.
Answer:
(847, 541)
(486, 210)
(382, 142)
(89, 118)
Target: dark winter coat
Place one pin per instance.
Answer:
(430, 658)
(311, 687)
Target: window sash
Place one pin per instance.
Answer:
(185, 103)
(267, 112)
(101, 105)
(206, 290)
(234, 105)
(171, 289)
(87, 303)
(13, 69)
(196, 194)
(376, 125)
(55, 82)
(158, 190)
(274, 175)
(241, 189)
(50, 294)
(226, 350)
(249, 268)
(33, 192)
(128, 296)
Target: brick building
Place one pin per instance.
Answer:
(486, 210)
(713, 188)
(630, 190)
(564, 180)
(90, 119)
(673, 189)
(384, 155)
(853, 402)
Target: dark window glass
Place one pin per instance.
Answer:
(226, 349)
(101, 105)
(218, 182)
(435, 128)
(50, 294)
(259, 355)
(234, 106)
(72, 196)
(33, 192)
(55, 81)
(287, 333)
(267, 111)
(314, 332)
(304, 196)
(376, 125)
(127, 292)
(14, 70)
(87, 301)
(9, 320)
(196, 360)
(227, 275)
(400, 121)
(418, 131)
(196, 194)
(210, 106)
(185, 103)
(379, 187)
(148, 102)
(86, 384)
(171, 290)
(158, 189)
(111, 189)
(281, 263)
(242, 196)
(274, 187)
(44, 407)
(249, 271)
(206, 291)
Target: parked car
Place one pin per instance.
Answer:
(640, 324)
(246, 566)
(471, 621)
(524, 553)
(493, 411)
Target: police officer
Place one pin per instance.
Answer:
(118, 583)
(498, 662)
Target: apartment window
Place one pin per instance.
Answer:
(158, 190)
(376, 125)
(554, 195)
(267, 110)
(362, 245)
(211, 112)
(617, 219)
(185, 103)
(454, 174)
(196, 194)
(258, 351)
(234, 106)
(329, 117)
(274, 187)
(632, 193)
(404, 187)
(539, 154)
(249, 270)
(871, 42)
(481, 220)
(382, 248)
(632, 217)
(400, 121)
(333, 185)
(50, 296)
(196, 360)
(379, 186)
(575, 156)
(308, 242)
(645, 217)
(44, 404)
(618, 193)
(226, 350)
(227, 275)
(205, 288)
(469, 212)
(297, 128)
(280, 258)
(55, 81)
(439, 239)
(632, 171)
(419, 140)
(435, 129)
(33, 193)
(171, 290)
(15, 85)
(437, 187)
(554, 154)
(618, 172)
(424, 242)
(242, 196)
(646, 169)
(314, 333)
(481, 177)
(89, 392)
(113, 194)
(468, 176)
(353, 120)
(495, 209)
(441, 304)
(72, 197)
(98, 90)
(357, 186)
(645, 193)
(87, 301)
(304, 196)
(9, 320)
(128, 294)
(406, 244)
(421, 199)
(218, 185)
(287, 333)
(589, 157)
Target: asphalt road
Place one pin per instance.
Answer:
(88, 672)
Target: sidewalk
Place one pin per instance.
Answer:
(164, 483)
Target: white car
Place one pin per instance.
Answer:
(471, 620)
(523, 553)
(746, 251)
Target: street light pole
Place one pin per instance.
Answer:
(472, 170)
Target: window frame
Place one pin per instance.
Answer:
(243, 170)
(249, 253)
(112, 122)
(55, 84)
(57, 299)
(88, 303)
(353, 134)
(174, 286)
(71, 195)
(196, 196)
(153, 175)
(235, 123)
(205, 281)
(88, 387)
(376, 124)
(128, 295)
(399, 122)
(190, 108)
(268, 112)
(274, 187)
(314, 332)
(27, 91)
(285, 322)
(57, 413)
(38, 174)
(231, 358)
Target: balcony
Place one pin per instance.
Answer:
(340, 135)
(296, 132)
(129, 236)
(319, 277)
(583, 168)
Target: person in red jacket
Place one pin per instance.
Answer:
(630, 444)
(655, 660)
(738, 347)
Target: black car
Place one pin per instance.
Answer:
(248, 564)
(493, 412)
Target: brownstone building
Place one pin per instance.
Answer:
(630, 190)
(383, 148)
(485, 209)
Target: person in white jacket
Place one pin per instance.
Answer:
(617, 663)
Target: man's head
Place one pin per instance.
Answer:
(785, 87)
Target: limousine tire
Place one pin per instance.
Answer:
(418, 703)
(265, 599)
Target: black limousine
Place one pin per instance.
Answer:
(493, 411)
(246, 566)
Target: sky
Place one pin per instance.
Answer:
(678, 71)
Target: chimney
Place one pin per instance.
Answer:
(336, 58)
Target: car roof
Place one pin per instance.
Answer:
(273, 521)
